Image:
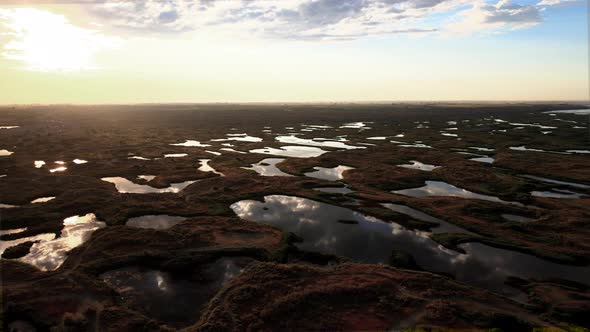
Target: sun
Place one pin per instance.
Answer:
(45, 41)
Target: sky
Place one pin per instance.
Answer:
(184, 51)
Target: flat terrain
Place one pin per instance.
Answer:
(378, 217)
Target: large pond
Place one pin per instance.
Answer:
(171, 298)
(49, 252)
(336, 230)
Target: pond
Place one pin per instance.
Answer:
(483, 159)
(557, 193)
(439, 188)
(158, 221)
(420, 166)
(123, 185)
(340, 231)
(292, 139)
(335, 190)
(292, 151)
(204, 167)
(174, 299)
(329, 174)
(565, 183)
(42, 199)
(268, 167)
(515, 217)
(38, 163)
(191, 143)
(239, 138)
(48, 252)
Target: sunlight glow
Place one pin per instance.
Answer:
(44, 41)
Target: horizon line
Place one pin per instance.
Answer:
(359, 102)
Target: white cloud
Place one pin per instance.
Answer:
(316, 19)
(323, 19)
(503, 16)
(290, 19)
(556, 2)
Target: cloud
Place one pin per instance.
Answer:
(503, 16)
(326, 12)
(318, 19)
(557, 2)
(152, 15)
(505, 11)
(288, 19)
